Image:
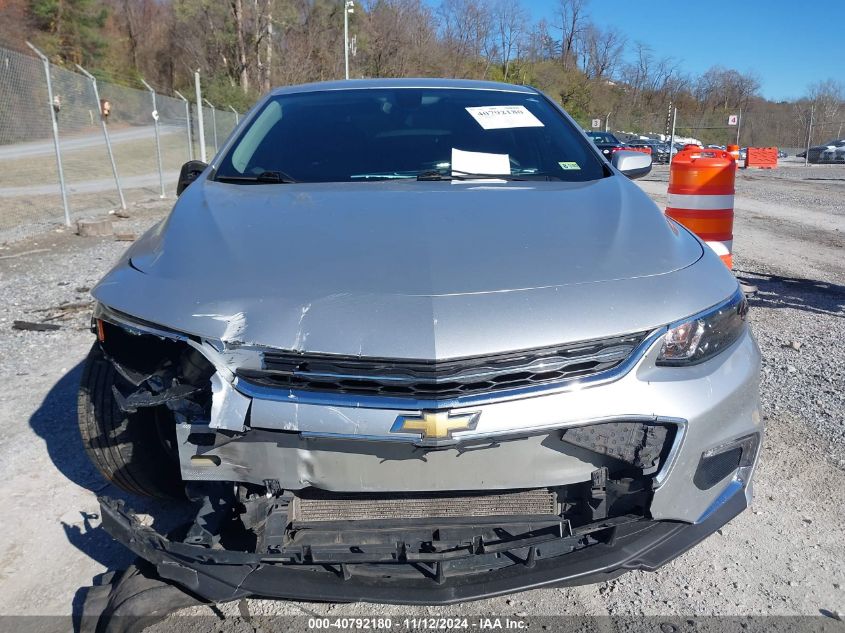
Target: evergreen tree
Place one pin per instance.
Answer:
(70, 30)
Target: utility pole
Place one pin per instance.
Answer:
(669, 118)
(738, 125)
(809, 134)
(200, 130)
(348, 7)
(607, 121)
(672, 138)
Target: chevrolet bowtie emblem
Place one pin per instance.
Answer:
(435, 425)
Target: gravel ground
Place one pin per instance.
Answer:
(782, 557)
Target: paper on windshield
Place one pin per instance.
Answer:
(503, 117)
(480, 162)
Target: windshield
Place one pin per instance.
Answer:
(603, 137)
(395, 133)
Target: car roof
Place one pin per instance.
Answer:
(365, 84)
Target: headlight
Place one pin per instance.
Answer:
(703, 336)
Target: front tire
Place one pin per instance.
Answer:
(128, 449)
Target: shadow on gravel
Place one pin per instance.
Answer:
(55, 422)
(809, 295)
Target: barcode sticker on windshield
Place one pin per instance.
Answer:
(503, 117)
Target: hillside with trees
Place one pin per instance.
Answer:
(244, 47)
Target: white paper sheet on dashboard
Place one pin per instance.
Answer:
(480, 162)
(503, 117)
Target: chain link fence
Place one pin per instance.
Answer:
(116, 144)
(789, 127)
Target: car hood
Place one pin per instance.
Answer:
(407, 269)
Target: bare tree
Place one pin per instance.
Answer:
(240, 36)
(725, 88)
(600, 51)
(510, 22)
(399, 38)
(465, 27)
(828, 97)
(263, 41)
(572, 19)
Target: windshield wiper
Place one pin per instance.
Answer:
(265, 177)
(462, 175)
(457, 174)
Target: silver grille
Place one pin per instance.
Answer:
(440, 379)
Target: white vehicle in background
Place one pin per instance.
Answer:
(828, 155)
(824, 153)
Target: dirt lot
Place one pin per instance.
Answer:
(782, 557)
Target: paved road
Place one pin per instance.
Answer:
(90, 186)
(92, 139)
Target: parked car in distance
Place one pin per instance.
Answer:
(782, 154)
(606, 142)
(659, 150)
(824, 152)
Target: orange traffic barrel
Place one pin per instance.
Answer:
(733, 150)
(701, 196)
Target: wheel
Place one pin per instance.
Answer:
(136, 452)
(132, 600)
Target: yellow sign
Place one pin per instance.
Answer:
(435, 425)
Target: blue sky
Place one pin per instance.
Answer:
(788, 44)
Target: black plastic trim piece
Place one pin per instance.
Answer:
(220, 576)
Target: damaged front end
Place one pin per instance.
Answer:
(188, 375)
(287, 514)
(276, 546)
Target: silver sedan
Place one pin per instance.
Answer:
(423, 343)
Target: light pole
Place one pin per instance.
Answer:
(809, 135)
(348, 7)
(672, 138)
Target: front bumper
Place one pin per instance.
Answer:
(292, 444)
(348, 446)
(221, 575)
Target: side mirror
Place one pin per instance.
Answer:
(189, 173)
(632, 164)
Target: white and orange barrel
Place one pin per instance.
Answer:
(701, 196)
(733, 150)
